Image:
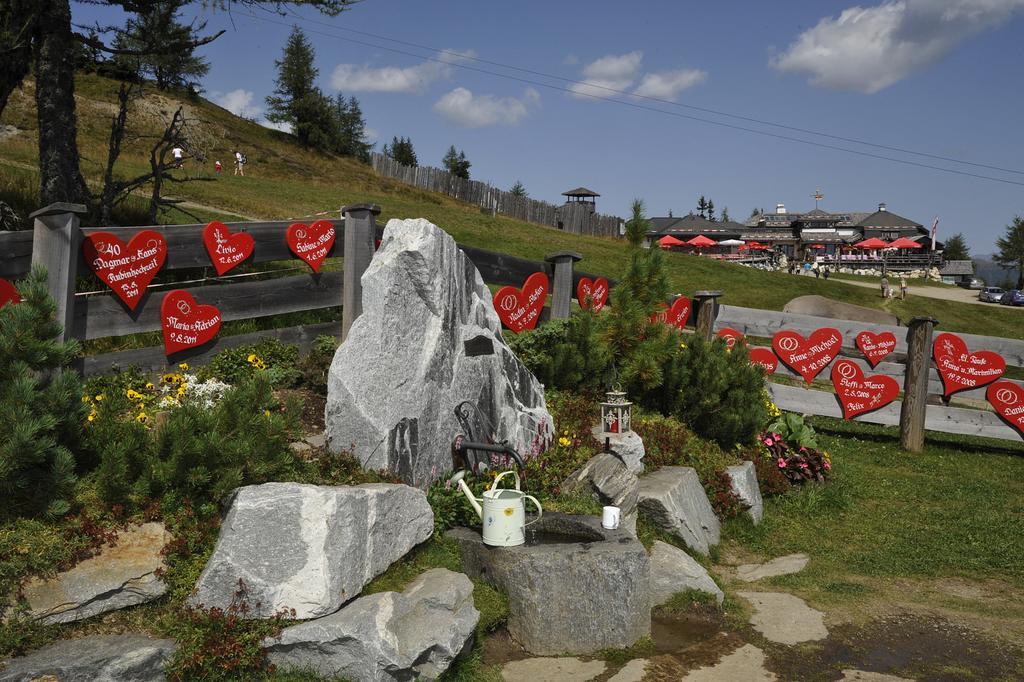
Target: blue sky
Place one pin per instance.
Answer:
(935, 76)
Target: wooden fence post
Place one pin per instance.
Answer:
(55, 244)
(915, 383)
(707, 311)
(561, 286)
(360, 232)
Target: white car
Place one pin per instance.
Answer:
(991, 294)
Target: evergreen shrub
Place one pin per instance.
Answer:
(40, 400)
(277, 361)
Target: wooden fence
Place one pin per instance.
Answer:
(55, 242)
(499, 201)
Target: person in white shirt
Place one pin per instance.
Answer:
(239, 163)
(177, 152)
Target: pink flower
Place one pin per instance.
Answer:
(828, 466)
(803, 465)
(769, 442)
(782, 463)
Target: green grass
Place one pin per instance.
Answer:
(285, 181)
(953, 511)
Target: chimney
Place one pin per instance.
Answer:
(881, 207)
(780, 209)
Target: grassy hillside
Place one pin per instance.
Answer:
(284, 181)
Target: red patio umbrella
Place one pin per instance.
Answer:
(701, 241)
(904, 243)
(668, 240)
(873, 243)
(816, 246)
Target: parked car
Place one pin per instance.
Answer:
(991, 294)
(972, 284)
(1013, 297)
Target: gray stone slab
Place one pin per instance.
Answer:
(628, 446)
(310, 548)
(414, 634)
(745, 486)
(428, 339)
(633, 671)
(119, 576)
(100, 658)
(746, 664)
(785, 618)
(673, 570)
(674, 499)
(783, 565)
(560, 669)
(609, 480)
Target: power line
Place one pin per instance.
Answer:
(643, 107)
(660, 100)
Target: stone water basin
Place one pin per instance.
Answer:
(575, 587)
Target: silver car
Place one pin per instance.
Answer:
(991, 294)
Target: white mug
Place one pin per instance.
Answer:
(610, 518)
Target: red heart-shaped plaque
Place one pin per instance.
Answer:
(859, 394)
(875, 346)
(186, 323)
(807, 357)
(766, 358)
(961, 370)
(731, 336)
(226, 249)
(126, 268)
(677, 315)
(592, 294)
(520, 309)
(1008, 399)
(311, 243)
(8, 293)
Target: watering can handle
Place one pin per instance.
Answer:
(540, 510)
(494, 486)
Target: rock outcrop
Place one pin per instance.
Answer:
(674, 499)
(310, 548)
(427, 340)
(745, 487)
(99, 658)
(121, 575)
(410, 635)
(673, 570)
(607, 479)
(628, 446)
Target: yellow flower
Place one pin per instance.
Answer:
(266, 413)
(682, 345)
(142, 418)
(252, 357)
(86, 399)
(168, 378)
(92, 416)
(563, 441)
(183, 366)
(509, 511)
(149, 386)
(133, 394)
(99, 397)
(182, 389)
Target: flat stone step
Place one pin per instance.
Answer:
(785, 618)
(783, 565)
(746, 664)
(553, 669)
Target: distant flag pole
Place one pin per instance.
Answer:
(935, 226)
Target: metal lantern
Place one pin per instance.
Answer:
(616, 413)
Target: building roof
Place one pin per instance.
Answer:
(887, 219)
(958, 267)
(580, 192)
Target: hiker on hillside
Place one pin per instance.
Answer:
(239, 163)
(885, 287)
(903, 288)
(178, 152)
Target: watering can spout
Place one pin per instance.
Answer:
(458, 477)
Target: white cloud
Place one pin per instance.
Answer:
(415, 79)
(463, 108)
(612, 72)
(284, 127)
(867, 49)
(371, 134)
(668, 84)
(239, 102)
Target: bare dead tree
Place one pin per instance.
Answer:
(113, 192)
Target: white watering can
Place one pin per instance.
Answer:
(503, 513)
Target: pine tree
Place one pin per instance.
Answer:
(955, 248)
(637, 225)
(174, 64)
(1011, 249)
(401, 150)
(702, 206)
(296, 100)
(725, 215)
(518, 190)
(351, 129)
(40, 398)
(711, 210)
(456, 163)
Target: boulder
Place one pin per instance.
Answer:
(99, 658)
(606, 477)
(820, 306)
(415, 634)
(310, 548)
(628, 446)
(674, 499)
(123, 574)
(673, 570)
(427, 340)
(745, 487)
(574, 588)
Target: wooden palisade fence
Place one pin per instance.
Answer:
(56, 239)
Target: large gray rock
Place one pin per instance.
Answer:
(675, 500)
(673, 570)
(310, 548)
(415, 634)
(121, 575)
(100, 658)
(821, 306)
(628, 446)
(574, 588)
(607, 478)
(427, 340)
(745, 487)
